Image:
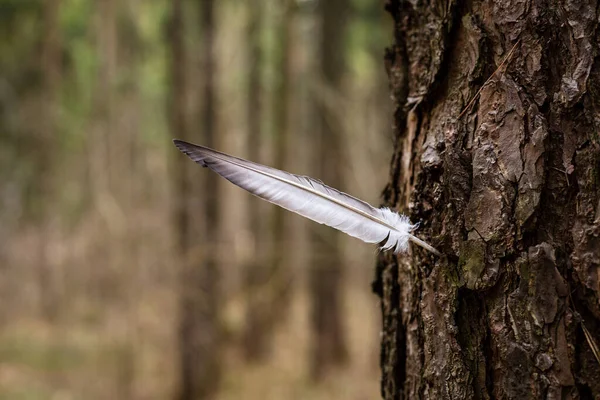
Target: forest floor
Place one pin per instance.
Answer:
(103, 352)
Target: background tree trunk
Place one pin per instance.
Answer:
(50, 67)
(268, 277)
(199, 336)
(326, 275)
(279, 265)
(257, 332)
(509, 193)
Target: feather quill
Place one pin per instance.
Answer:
(311, 199)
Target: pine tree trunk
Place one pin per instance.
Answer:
(509, 192)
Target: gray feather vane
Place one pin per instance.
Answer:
(311, 199)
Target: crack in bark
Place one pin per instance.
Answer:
(450, 28)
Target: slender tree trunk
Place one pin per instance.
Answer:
(177, 118)
(326, 275)
(269, 278)
(128, 187)
(256, 276)
(100, 146)
(182, 191)
(50, 67)
(196, 236)
(281, 277)
(508, 192)
(108, 43)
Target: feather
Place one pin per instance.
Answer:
(311, 199)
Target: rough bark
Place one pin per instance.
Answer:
(329, 346)
(509, 192)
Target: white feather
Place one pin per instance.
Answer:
(311, 198)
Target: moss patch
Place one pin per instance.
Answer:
(471, 262)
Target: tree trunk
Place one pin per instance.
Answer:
(326, 275)
(199, 337)
(51, 72)
(269, 279)
(101, 148)
(256, 335)
(509, 192)
(280, 271)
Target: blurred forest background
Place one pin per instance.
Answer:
(127, 271)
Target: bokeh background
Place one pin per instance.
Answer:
(126, 271)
